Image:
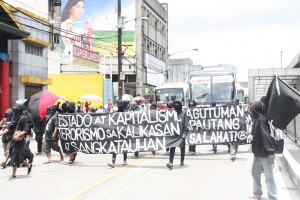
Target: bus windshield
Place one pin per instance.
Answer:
(165, 95)
(208, 89)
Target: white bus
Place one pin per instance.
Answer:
(171, 91)
(217, 85)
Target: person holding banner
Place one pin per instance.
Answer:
(263, 151)
(123, 106)
(71, 108)
(184, 130)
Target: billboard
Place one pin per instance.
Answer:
(89, 30)
(155, 70)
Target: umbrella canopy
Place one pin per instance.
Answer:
(127, 97)
(91, 97)
(38, 103)
(21, 101)
(139, 98)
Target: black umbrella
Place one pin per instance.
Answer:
(37, 104)
(282, 103)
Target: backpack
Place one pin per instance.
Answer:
(276, 138)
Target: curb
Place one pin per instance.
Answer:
(292, 167)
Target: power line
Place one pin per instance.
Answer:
(64, 31)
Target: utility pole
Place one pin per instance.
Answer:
(120, 90)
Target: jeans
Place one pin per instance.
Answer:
(266, 165)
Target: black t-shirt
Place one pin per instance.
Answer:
(23, 124)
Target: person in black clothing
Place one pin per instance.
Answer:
(184, 130)
(263, 151)
(123, 106)
(26, 152)
(71, 108)
(40, 129)
(19, 127)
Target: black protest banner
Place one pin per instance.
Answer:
(119, 132)
(218, 125)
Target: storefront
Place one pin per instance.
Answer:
(9, 30)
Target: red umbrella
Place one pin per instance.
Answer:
(37, 104)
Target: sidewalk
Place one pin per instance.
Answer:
(291, 159)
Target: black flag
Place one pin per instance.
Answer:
(282, 103)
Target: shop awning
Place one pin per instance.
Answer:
(10, 32)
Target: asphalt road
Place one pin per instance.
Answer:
(206, 175)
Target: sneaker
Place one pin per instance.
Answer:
(153, 152)
(215, 150)
(111, 165)
(71, 162)
(13, 176)
(124, 162)
(38, 153)
(29, 169)
(233, 158)
(136, 154)
(181, 163)
(170, 165)
(3, 165)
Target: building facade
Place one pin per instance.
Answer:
(179, 69)
(27, 58)
(144, 44)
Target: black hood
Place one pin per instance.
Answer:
(9, 114)
(256, 109)
(177, 106)
(71, 108)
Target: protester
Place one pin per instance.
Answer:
(71, 109)
(123, 106)
(109, 106)
(181, 114)
(40, 129)
(79, 107)
(263, 151)
(26, 152)
(19, 127)
(153, 106)
(100, 110)
(87, 106)
(51, 137)
(6, 135)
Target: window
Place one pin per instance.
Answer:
(33, 49)
(56, 38)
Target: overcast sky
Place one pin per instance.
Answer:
(243, 33)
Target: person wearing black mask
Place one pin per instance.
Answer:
(184, 130)
(20, 128)
(26, 149)
(263, 151)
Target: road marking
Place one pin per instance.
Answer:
(107, 178)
